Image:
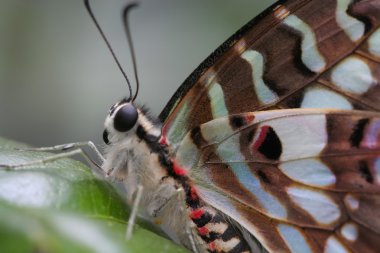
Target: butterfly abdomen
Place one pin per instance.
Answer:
(210, 228)
(216, 232)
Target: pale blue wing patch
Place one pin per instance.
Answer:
(251, 182)
(263, 92)
(216, 130)
(351, 202)
(294, 238)
(350, 231)
(320, 97)
(310, 171)
(374, 43)
(333, 245)
(310, 54)
(353, 75)
(318, 205)
(353, 27)
(218, 105)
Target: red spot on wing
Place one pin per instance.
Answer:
(249, 118)
(261, 138)
(203, 231)
(163, 140)
(178, 170)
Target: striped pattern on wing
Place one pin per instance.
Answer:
(302, 53)
(299, 180)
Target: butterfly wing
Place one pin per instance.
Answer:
(302, 180)
(303, 53)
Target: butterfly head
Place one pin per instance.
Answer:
(121, 119)
(125, 119)
(131, 135)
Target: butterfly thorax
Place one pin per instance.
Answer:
(142, 156)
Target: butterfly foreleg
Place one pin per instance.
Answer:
(70, 146)
(66, 150)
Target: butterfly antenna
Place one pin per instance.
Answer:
(88, 7)
(131, 48)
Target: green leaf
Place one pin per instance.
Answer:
(62, 207)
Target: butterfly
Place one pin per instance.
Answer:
(272, 144)
(236, 168)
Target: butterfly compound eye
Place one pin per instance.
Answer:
(125, 118)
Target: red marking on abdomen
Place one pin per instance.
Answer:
(261, 138)
(193, 193)
(211, 246)
(203, 231)
(178, 170)
(196, 214)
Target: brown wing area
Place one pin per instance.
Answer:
(270, 63)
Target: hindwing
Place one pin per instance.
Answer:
(298, 180)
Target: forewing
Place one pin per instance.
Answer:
(301, 53)
(303, 180)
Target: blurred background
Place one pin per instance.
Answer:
(57, 79)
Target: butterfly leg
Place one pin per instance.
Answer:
(67, 150)
(133, 215)
(69, 146)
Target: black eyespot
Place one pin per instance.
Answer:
(125, 118)
(105, 137)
